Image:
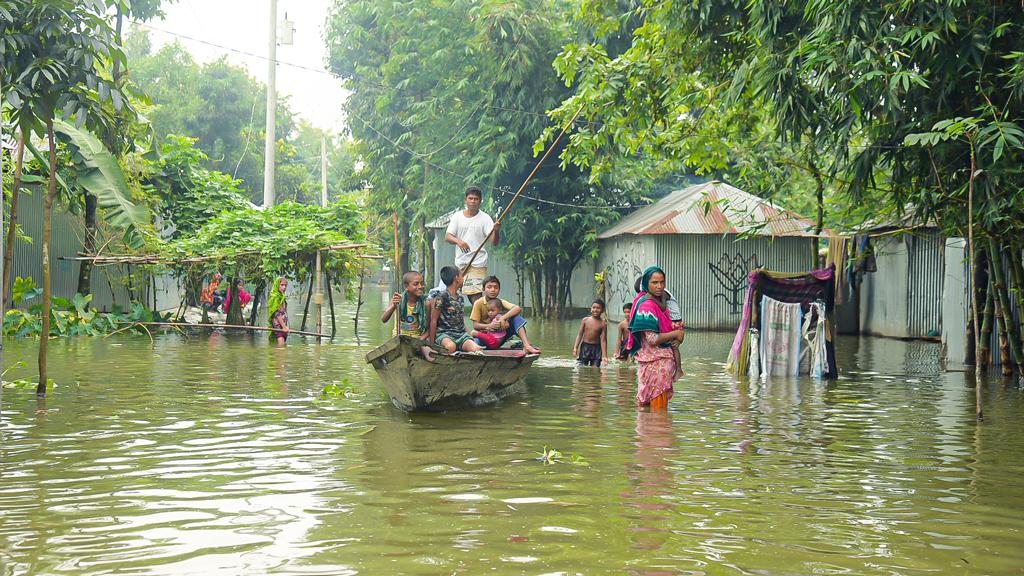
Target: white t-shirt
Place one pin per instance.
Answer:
(472, 231)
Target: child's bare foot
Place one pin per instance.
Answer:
(426, 351)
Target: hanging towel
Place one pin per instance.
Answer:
(780, 338)
(814, 336)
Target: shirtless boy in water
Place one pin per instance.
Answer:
(591, 347)
(624, 333)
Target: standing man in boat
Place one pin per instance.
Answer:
(467, 230)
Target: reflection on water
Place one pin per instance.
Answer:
(219, 455)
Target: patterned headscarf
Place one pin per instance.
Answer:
(646, 315)
(275, 299)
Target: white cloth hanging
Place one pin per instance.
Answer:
(780, 338)
(814, 336)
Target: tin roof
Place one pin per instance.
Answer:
(442, 220)
(712, 208)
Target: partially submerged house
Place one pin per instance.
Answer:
(693, 235)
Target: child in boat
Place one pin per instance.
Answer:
(512, 320)
(623, 353)
(412, 319)
(591, 347)
(447, 320)
(495, 336)
(413, 316)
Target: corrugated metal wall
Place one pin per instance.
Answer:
(925, 280)
(706, 274)
(109, 283)
(581, 290)
(956, 311)
(903, 298)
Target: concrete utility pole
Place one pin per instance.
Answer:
(319, 261)
(271, 143)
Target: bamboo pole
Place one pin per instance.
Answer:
(978, 380)
(235, 326)
(1017, 277)
(987, 319)
(526, 182)
(398, 273)
(1008, 337)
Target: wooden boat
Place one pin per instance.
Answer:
(415, 384)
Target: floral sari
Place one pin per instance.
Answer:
(655, 363)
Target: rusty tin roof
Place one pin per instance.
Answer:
(712, 208)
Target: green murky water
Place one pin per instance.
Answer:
(218, 455)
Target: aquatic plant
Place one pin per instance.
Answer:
(72, 317)
(552, 456)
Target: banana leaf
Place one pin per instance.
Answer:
(100, 175)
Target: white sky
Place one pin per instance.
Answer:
(243, 25)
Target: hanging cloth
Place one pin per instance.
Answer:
(814, 336)
(780, 338)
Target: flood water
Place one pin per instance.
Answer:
(220, 455)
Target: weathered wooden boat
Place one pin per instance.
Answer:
(415, 384)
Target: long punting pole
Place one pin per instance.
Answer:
(398, 274)
(190, 325)
(523, 187)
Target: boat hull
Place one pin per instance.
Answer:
(415, 384)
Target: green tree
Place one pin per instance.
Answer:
(218, 103)
(444, 96)
(60, 47)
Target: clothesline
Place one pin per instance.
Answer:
(152, 259)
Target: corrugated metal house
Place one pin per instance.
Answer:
(903, 298)
(581, 290)
(693, 234)
(109, 283)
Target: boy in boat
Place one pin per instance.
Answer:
(591, 347)
(494, 335)
(467, 230)
(447, 318)
(624, 333)
(511, 318)
(411, 309)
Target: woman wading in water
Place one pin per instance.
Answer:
(277, 309)
(651, 341)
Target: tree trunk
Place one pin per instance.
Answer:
(330, 303)
(234, 305)
(431, 271)
(1017, 276)
(819, 195)
(88, 246)
(1011, 336)
(971, 250)
(51, 194)
(12, 225)
(1004, 348)
(359, 300)
(256, 299)
(987, 324)
(537, 289)
(309, 296)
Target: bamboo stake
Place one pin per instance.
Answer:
(1009, 342)
(190, 325)
(398, 273)
(978, 380)
(526, 182)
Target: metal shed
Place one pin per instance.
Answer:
(693, 234)
(903, 298)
